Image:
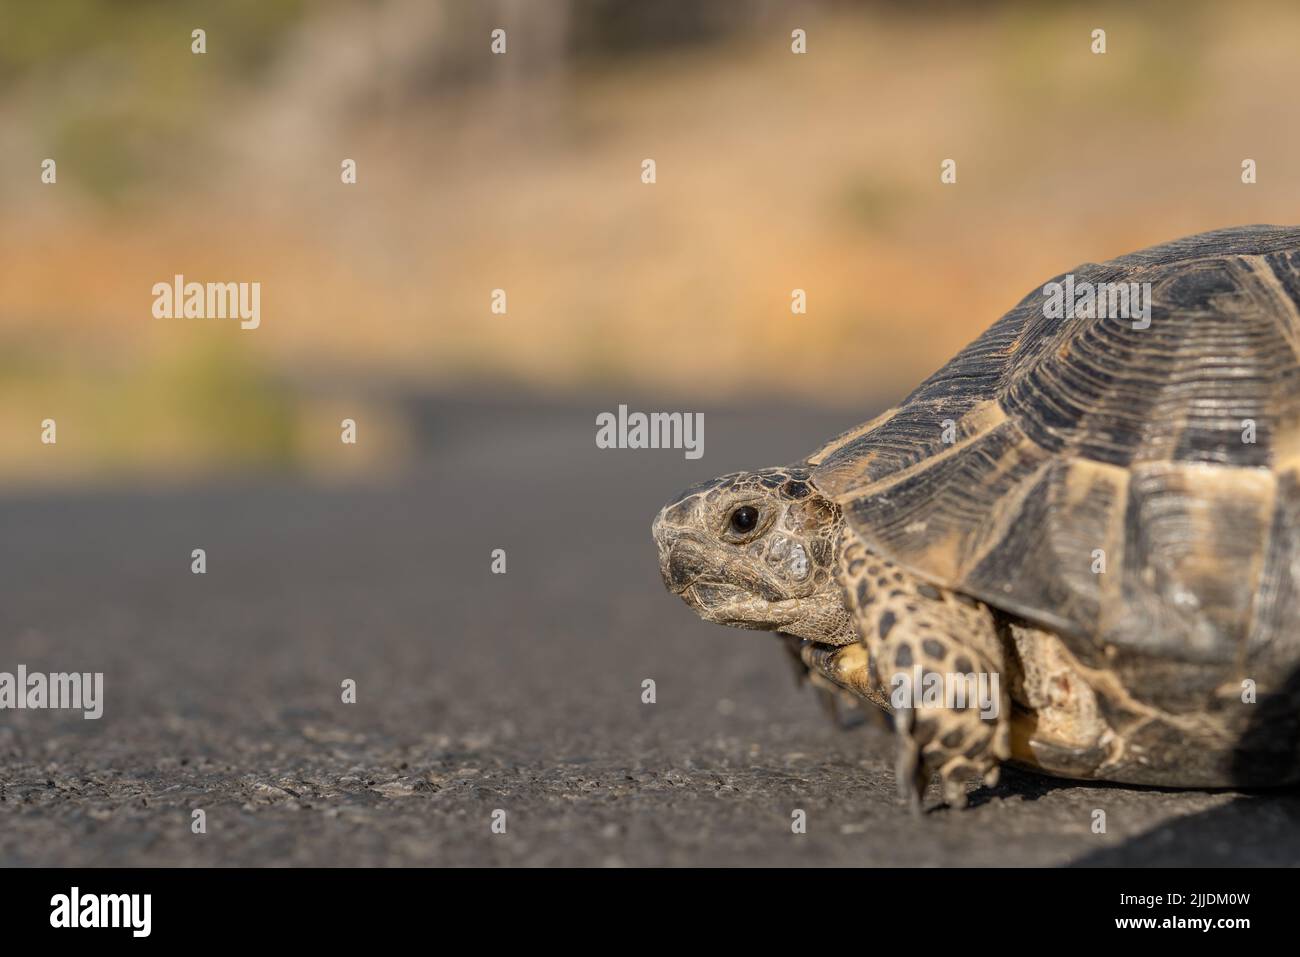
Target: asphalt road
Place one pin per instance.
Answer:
(476, 692)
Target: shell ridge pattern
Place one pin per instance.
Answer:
(1114, 495)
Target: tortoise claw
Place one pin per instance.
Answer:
(909, 772)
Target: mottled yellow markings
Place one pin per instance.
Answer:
(1284, 306)
(1286, 447)
(837, 443)
(974, 425)
(1006, 513)
(1084, 475)
(1084, 479)
(1211, 549)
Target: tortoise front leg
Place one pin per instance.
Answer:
(839, 675)
(938, 658)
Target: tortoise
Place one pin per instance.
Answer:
(1074, 548)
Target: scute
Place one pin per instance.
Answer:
(1095, 478)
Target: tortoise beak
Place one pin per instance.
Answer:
(676, 573)
(684, 568)
(681, 557)
(689, 571)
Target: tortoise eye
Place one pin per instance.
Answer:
(744, 519)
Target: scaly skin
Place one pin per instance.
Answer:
(798, 569)
(854, 620)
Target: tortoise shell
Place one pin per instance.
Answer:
(1133, 489)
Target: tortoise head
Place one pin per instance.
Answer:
(756, 550)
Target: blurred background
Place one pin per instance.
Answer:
(522, 172)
